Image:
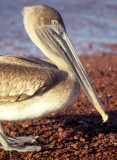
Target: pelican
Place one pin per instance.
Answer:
(33, 87)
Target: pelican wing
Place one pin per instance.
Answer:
(22, 77)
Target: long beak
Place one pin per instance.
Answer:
(84, 80)
(62, 47)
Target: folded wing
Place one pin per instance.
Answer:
(22, 77)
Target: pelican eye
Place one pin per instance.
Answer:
(54, 22)
(56, 27)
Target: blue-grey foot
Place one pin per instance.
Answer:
(20, 148)
(21, 139)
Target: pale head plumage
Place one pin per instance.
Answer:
(41, 15)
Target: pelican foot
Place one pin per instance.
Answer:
(21, 139)
(20, 148)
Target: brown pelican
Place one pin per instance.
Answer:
(32, 87)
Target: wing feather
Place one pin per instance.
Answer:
(21, 77)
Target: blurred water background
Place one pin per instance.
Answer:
(91, 25)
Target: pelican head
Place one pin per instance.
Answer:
(46, 29)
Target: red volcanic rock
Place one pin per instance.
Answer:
(16, 48)
(89, 46)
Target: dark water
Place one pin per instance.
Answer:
(91, 25)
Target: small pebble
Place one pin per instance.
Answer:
(16, 48)
(102, 54)
(74, 146)
(82, 139)
(76, 152)
(60, 129)
(86, 146)
(81, 128)
(76, 137)
(100, 135)
(63, 134)
(69, 121)
(89, 46)
(26, 124)
(84, 152)
(108, 95)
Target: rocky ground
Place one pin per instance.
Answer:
(77, 132)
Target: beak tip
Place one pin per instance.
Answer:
(105, 118)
